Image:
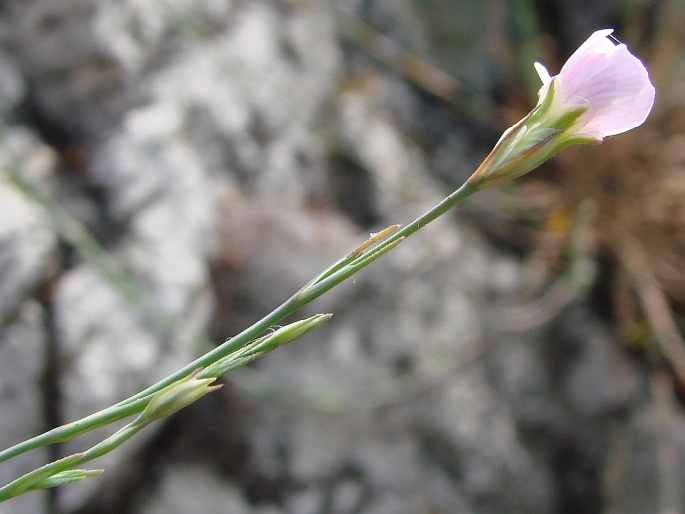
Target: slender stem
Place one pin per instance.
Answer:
(325, 282)
(137, 402)
(466, 190)
(24, 483)
(330, 280)
(309, 294)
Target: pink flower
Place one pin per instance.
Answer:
(602, 90)
(609, 80)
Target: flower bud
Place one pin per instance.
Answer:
(178, 395)
(295, 330)
(65, 477)
(264, 344)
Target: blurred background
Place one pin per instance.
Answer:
(172, 170)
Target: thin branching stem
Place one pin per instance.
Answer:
(374, 248)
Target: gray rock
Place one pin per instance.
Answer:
(196, 489)
(207, 129)
(208, 121)
(26, 239)
(27, 247)
(12, 87)
(23, 352)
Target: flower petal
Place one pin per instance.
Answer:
(598, 42)
(588, 71)
(627, 113)
(613, 81)
(623, 76)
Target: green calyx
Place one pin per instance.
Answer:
(548, 128)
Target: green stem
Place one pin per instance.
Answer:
(444, 206)
(24, 483)
(325, 282)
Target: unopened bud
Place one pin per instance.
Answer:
(178, 395)
(65, 477)
(264, 344)
(295, 330)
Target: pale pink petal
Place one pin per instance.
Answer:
(576, 80)
(611, 80)
(627, 113)
(596, 43)
(623, 76)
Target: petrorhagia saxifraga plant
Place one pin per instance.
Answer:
(602, 90)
